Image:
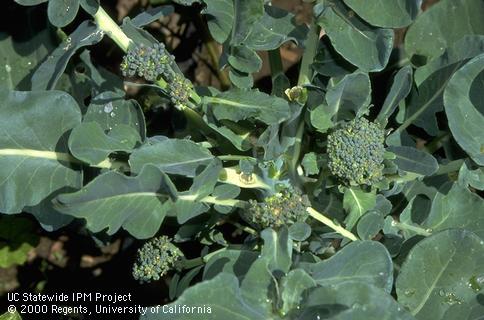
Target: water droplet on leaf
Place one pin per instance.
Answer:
(108, 107)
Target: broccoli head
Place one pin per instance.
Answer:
(283, 208)
(155, 259)
(149, 63)
(356, 152)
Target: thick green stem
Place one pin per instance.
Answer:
(111, 28)
(328, 222)
(312, 42)
(305, 76)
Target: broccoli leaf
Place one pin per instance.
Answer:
(112, 200)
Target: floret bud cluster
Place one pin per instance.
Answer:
(155, 258)
(356, 152)
(283, 208)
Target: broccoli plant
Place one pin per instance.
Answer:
(348, 186)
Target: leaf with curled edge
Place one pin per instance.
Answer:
(465, 110)
(364, 46)
(238, 105)
(113, 201)
(172, 156)
(363, 261)
(386, 14)
(50, 71)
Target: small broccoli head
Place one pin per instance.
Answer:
(149, 63)
(155, 259)
(283, 208)
(179, 90)
(356, 152)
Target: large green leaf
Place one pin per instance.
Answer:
(350, 300)
(383, 13)
(432, 32)
(237, 262)
(356, 203)
(293, 285)
(89, 143)
(203, 185)
(364, 46)
(369, 225)
(350, 96)
(431, 81)
(110, 109)
(238, 105)
(50, 71)
(402, 83)
(174, 156)
(409, 159)
(244, 59)
(276, 27)
(329, 63)
(112, 200)
(345, 99)
(220, 17)
(62, 12)
(247, 13)
(257, 287)
(363, 261)
(466, 120)
(20, 58)
(458, 208)
(33, 158)
(277, 249)
(441, 271)
(465, 311)
(221, 294)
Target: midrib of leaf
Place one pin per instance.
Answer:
(177, 163)
(356, 200)
(127, 195)
(412, 160)
(348, 21)
(431, 288)
(232, 103)
(52, 155)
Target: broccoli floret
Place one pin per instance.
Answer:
(150, 63)
(356, 152)
(179, 89)
(283, 208)
(155, 259)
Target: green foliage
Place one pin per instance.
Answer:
(346, 185)
(155, 259)
(356, 152)
(281, 209)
